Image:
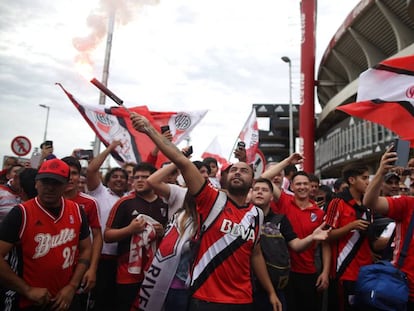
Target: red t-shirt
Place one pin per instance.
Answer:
(90, 206)
(339, 213)
(222, 270)
(401, 209)
(304, 222)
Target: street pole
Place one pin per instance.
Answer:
(291, 142)
(105, 74)
(47, 120)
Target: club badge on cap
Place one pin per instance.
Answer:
(54, 169)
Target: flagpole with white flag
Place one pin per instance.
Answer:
(214, 150)
(250, 135)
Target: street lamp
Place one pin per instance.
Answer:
(47, 119)
(287, 60)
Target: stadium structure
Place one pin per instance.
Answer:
(374, 30)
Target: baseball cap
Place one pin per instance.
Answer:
(54, 169)
(390, 175)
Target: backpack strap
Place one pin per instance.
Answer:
(407, 241)
(359, 210)
(261, 220)
(215, 211)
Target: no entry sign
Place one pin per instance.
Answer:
(21, 145)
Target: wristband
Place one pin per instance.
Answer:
(85, 262)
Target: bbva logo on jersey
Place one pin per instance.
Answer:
(235, 229)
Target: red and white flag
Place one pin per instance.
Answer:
(250, 135)
(181, 123)
(113, 123)
(386, 96)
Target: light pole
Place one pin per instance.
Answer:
(287, 60)
(47, 119)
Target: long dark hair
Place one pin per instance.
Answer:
(190, 210)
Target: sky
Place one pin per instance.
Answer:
(171, 55)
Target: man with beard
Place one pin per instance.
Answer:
(137, 223)
(221, 276)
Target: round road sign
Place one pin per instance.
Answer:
(259, 164)
(21, 145)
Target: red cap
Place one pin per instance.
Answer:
(54, 169)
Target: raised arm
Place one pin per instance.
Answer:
(372, 198)
(93, 178)
(293, 159)
(192, 176)
(153, 155)
(156, 180)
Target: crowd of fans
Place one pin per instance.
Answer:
(187, 236)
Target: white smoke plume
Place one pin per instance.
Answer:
(124, 11)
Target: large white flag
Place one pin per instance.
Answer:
(214, 150)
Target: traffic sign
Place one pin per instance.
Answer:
(259, 164)
(21, 145)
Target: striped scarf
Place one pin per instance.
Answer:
(163, 268)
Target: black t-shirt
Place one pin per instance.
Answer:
(128, 208)
(285, 226)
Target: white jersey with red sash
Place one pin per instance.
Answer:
(48, 244)
(222, 270)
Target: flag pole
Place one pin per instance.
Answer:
(105, 73)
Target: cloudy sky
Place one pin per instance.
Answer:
(170, 55)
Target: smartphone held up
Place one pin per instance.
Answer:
(402, 148)
(84, 154)
(241, 145)
(188, 152)
(165, 128)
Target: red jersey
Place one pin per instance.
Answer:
(340, 213)
(304, 222)
(222, 270)
(401, 209)
(48, 244)
(90, 206)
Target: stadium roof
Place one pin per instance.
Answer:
(374, 30)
